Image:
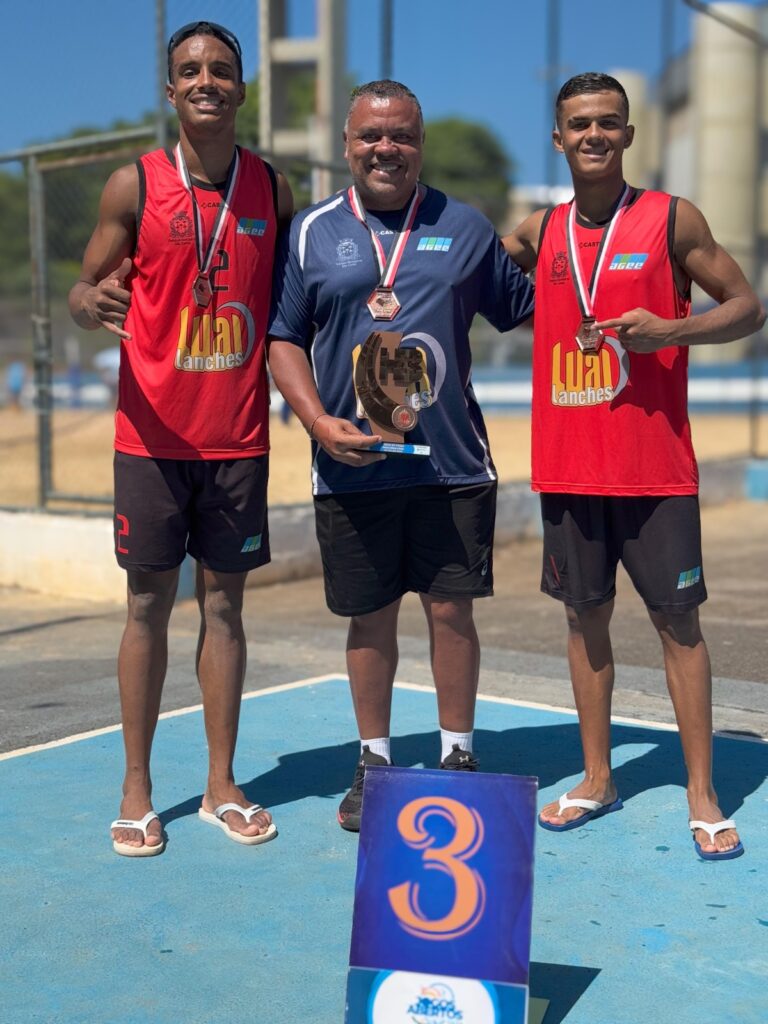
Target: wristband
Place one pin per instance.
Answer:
(314, 421)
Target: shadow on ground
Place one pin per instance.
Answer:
(551, 753)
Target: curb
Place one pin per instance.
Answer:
(72, 555)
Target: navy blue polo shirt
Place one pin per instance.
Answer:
(453, 267)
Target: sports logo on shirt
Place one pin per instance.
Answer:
(347, 252)
(212, 342)
(628, 261)
(559, 270)
(181, 227)
(434, 244)
(251, 226)
(581, 379)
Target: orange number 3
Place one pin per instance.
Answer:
(469, 898)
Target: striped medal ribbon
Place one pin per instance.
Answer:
(382, 302)
(589, 338)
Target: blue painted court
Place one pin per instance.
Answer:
(628, 924)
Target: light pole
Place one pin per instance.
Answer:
(553, 66)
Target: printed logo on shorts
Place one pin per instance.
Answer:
(434, 244)
(251, 544)
(251, 226)
(628, 261)
(689, 578)
(347, 253)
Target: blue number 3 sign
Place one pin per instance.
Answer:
(445, 874)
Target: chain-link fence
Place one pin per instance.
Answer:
(57, 450)
(57, 382)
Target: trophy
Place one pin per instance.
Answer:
(386, 379)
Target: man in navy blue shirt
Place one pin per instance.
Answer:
(385, 525)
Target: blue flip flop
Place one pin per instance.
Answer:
(592, 808)
(712, 830)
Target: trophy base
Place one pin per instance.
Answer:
(421, 451)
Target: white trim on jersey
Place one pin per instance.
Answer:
(310, 218)
(486, 450)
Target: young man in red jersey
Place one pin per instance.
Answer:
(179, 267)
(611, 449)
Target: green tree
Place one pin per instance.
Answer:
(466, 160)
(14, 233)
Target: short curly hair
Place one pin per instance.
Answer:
(588, 82)
(383, 89)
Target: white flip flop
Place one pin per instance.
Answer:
(712, 830)
(217, 818)
(125, 849)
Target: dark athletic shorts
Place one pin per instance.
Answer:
(214, 509)
(658, 540)
(377, 545)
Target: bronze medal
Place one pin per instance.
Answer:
(589, 338)
(202, 291)
(404, 418)
(382, 304)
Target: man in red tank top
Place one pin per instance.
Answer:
(611, 449)
(179, 268)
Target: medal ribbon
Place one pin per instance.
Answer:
(586, 296)
(205, 257)
(387, 267)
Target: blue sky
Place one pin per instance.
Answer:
(87, 62)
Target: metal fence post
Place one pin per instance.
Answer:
(41, 328)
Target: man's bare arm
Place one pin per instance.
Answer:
(522, 244)
(341, 439)
(99, 299)
(738, 313)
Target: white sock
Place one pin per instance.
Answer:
(447, 739)
(379, 746)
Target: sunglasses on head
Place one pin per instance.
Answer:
(206, 28)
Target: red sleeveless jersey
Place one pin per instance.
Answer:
(613, 422)
(193, 381)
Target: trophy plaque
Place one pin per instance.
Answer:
(386, 378)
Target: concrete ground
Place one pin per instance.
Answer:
(628, 924)
(57, 656)
(208, 933)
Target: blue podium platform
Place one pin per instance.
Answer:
(628, 924)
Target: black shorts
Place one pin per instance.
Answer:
(377, 545)
(658, 541)
(214, 509)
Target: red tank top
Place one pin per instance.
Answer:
(613, 423)
(193, 381)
